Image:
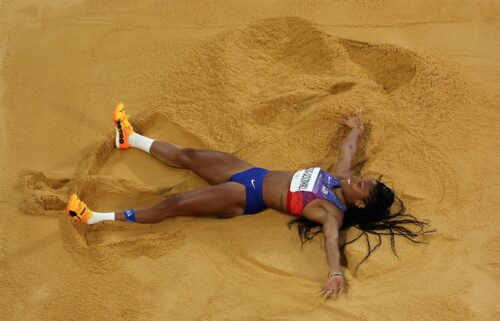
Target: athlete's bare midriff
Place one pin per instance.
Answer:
(275, 189)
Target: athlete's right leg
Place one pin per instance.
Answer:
(213, 166)
(223, 200)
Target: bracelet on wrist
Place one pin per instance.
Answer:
(334, 274)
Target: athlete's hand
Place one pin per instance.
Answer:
(352, 120)
(333, 286)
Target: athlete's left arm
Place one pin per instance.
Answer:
(331, 227)
(349, 144)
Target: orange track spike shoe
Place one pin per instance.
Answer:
(78, 210)
(123, 127)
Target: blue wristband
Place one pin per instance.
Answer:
(130, 216)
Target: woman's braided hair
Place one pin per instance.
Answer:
(375, 218)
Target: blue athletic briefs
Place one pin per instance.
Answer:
(253, 180)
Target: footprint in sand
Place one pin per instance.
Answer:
(98, 182)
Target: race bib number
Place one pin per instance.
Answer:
(304, 180)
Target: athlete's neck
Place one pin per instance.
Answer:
(340, 196)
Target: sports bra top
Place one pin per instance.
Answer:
(310, 184)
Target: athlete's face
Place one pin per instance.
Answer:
(356, 189)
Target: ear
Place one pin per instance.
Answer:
(360, 204)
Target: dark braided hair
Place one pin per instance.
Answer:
(375, 218)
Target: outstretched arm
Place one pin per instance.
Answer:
(330, 224)
(349, 144)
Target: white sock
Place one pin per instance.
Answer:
(142, 142)
(137, 141)
(97, 217)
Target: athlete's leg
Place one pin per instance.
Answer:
(223, 200)
(213, 166)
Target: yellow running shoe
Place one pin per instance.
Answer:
(78, 210)
(122, 126)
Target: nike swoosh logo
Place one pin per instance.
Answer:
(253, 183)
(128, 214)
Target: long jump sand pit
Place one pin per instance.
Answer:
(263, 80)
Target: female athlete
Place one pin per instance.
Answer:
(319, 199)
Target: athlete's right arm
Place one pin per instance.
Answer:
(331, 227)
(350, 143)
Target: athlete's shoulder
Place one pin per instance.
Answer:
(323, 211)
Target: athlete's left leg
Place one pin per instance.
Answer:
(213, 166)
(223, 200)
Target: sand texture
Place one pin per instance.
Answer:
(262, 80)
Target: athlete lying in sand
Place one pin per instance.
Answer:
(316, 197)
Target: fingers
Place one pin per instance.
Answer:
(339, 118)
(327, 293)
(360, 114)
(330, 294)
(324, 291)
(345, 115)
(345, 118)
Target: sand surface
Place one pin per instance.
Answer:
(263, 80)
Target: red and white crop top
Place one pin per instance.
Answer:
(310, 184)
